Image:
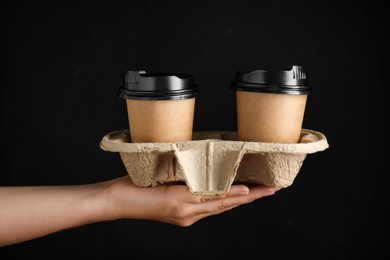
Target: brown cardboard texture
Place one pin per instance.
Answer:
(267, 117)
(213, 160)
(160, 120)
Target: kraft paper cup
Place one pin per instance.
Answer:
(161, 120)
(160, 107)
(271, 104)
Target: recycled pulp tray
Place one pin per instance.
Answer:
(213, 160)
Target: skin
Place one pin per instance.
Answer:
(28, 212)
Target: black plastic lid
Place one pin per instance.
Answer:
(290, 80)
(160, 86)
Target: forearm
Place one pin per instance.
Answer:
(30, 212)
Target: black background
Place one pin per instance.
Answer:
(63, 62)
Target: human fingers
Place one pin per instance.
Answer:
(232, 199)
(259, 191)
(221, 205)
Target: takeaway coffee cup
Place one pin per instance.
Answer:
(160, 107)
(271, 104)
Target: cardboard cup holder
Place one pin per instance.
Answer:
(213, 160)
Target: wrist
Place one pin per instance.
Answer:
(97, 203)
(111, 200)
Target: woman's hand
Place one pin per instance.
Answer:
(174, 204)
(28, 212)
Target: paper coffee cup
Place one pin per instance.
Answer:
(160, 107)
(271, 104)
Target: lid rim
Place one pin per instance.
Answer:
(276, 89)
(158, 95)
(271, 91)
